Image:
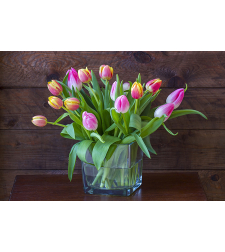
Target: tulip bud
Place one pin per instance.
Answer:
(126, 86)
(106, 72)
(55, 102)
(166, 109)
(122, 104)
(54, 87)
(39, 120)
(84, 75)
(89, 121)
(136, 90)
(72, 103)
(73, 80)
(153, 85)
(176, 97)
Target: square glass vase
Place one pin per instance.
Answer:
(120, 174)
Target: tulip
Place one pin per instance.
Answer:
(166, 109)
(153, 85)
(136, 90)
(39, 120)
(89, 121)
(72, 103)
(84, 75)
(73, 80)
(126, 86)
(122, 104)
(55, 102)
(176, 97)
(106, 72)
(54, 87)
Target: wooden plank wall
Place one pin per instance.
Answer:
(199, 146)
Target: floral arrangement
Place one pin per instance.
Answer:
(120, 113)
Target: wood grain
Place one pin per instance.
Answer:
(45, 149)
(7, 178)
(34, 69)
(212, 181)
(18, 106)
(156, 186)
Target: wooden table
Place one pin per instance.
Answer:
(156, 186)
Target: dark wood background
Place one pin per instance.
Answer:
(199, 146)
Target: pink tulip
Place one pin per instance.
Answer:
(166, 109)
(126, 86)
(72, 103)
(122, 104)
(73, 80)
(136, 90)
(176, 97)
(106, 72)
(55, 102)
(39, 120)
(54, 87)
(153, 85)
(84, 75)
(89, 120)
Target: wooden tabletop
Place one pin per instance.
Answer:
(155, 186)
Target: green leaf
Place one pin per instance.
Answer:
(75, 118)
(65, 134)
(74, 131)
(110, 152)
(171, 133)
(82, 150)
(116, 119)
(117, 92)
(182, 112)
(87, 99)
(107, 95)
(121, 88)
(112, 127)
(146, 118)
(70, 130)
(96, 86)
(72, 160)
(141, 144)
(93, 134)
(139, 78)
(148, 145)
(65, 86)
(73, 92)
(152, 126)
(128, 140)
(65, 79)
(106, 118)
(61, 117)
(100, 149)
(135, 121)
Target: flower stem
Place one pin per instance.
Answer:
(58, 124)
(126, 127)
(136, 105)
(77, 113)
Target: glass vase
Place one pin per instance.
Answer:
(120, 174)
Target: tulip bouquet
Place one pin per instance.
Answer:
(106, 118)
